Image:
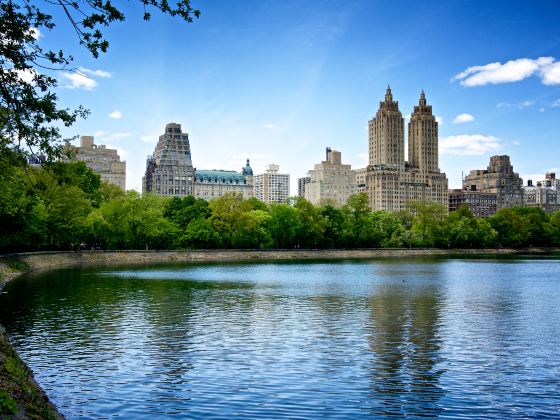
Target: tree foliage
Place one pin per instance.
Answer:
(64, 206)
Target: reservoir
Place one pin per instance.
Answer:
(444, 337)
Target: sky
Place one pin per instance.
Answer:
(279, 81)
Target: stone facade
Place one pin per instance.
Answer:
(481, 204)
(498, 178)
(272, 187)
(332, 182)
(169, 171)
(102, 161)
(361, 175)
(391, 183)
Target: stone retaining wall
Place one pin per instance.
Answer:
(49, 260)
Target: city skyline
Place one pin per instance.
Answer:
(246, 83)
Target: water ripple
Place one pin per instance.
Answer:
(447, 338)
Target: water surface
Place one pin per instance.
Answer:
(438, 337)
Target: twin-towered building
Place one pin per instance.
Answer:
(391, 182)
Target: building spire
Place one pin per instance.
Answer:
(388, 95)
(422, 99)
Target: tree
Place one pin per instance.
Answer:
(282, 225)
(311, 224)
(358, 230)
(30, 116)
(510, 228)
(334, 227)
(428, 224)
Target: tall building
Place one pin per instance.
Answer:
(272, 187)
(169, 171)
(102, 161)
(332, 182)
(215, 183)
(497, 178)
(301, 183)
(392, 183)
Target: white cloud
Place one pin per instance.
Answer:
(462, 118)
(83, 78)
(551, 74)
(26, 75)
(117, 115)
(78, 81)
(520, 105)
(101, 134)
(556, 103)
(35, 33)
(541, 109)
(270, 126)
(516, 142)
(439, 120)
(98, 73)
(512, 71)
(469, 145)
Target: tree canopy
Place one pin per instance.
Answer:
(65, 206)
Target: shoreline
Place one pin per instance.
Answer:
(13, 265)
(21, 394)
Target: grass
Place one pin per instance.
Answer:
(19, 393)
(15, 265)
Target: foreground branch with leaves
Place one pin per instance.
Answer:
(30, 113)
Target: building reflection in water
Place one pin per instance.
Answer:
(406, 350)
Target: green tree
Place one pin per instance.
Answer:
(511, 230)
(553, 229)
(428, 224)
(358, 228)
(310, 224)
(334, 227)
(389, 229)
(200, 234)
(282, 225)
(462, 228)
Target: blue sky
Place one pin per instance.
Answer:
(278, 81)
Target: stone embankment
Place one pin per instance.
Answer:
(22, 398)
(50, 260)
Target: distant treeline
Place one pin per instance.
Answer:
(64, 206)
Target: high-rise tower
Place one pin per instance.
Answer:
(170, 171)
(386, 134)
(423, 137)
(391, 183)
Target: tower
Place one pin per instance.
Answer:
(423, 137)
(386, 134)
(170, 171)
